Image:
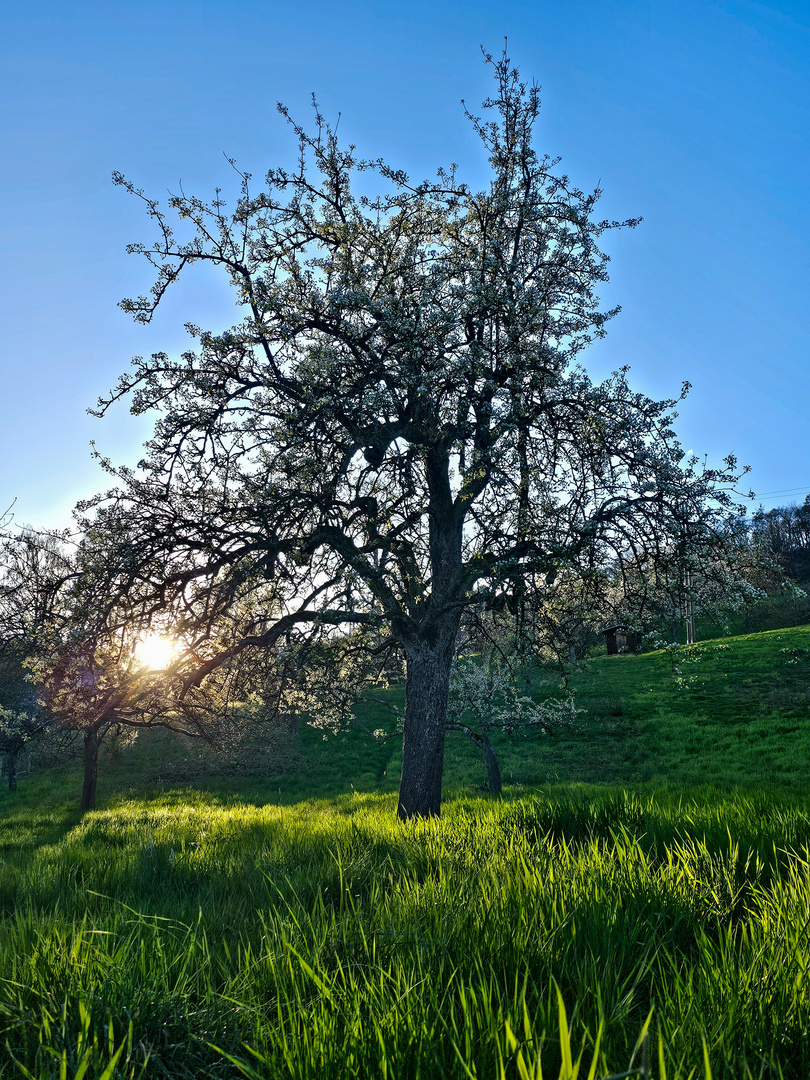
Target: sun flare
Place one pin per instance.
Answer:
(155, 652)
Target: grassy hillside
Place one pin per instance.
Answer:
(654, 863)
(744, 721)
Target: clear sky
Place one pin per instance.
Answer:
(694, 115)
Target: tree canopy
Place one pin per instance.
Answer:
(396, 431)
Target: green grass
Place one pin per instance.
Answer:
(287, 926)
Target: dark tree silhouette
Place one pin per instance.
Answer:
(396, 431)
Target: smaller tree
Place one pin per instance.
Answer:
(487, 698)
(33, 575)
(489, 691)
(77, 619)
(715, 586)
(18, 731)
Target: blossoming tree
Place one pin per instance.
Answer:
(396, 430)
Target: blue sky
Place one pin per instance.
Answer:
(694, 115)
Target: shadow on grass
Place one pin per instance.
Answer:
(208, 919)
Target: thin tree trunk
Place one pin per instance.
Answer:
(427, 687)
(11, 769)
(292, 722)
(91, 745)
(494, 781)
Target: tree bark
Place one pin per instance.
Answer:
(293, 723)
(427, 686)
(91, 745)
(494, 782)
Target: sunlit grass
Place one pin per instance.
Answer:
(327, 940)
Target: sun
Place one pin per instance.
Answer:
(155, 652)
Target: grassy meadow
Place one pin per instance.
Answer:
(637, 903)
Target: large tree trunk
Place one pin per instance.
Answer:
(427, 685)
(91, 745)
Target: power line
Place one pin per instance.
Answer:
(784, 491)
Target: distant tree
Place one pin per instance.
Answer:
(783, 533)
(28, 601)
(487, 697)
(21, 729)
(76, 614)
(655, 596)
(395, 432)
